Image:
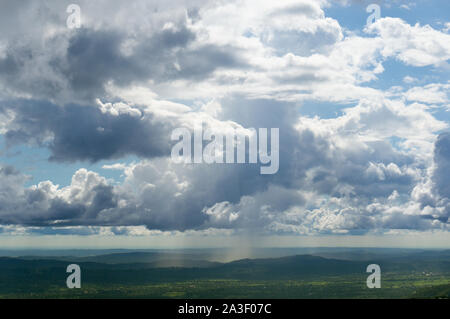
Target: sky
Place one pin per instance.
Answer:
(87, 111)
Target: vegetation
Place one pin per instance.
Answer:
(305, 276)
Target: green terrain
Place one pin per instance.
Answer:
(415, 274)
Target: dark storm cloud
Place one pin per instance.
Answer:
(206, 59)
(309, 161)
(442, 161)
(41, 206)
(303, 150)
(74, 132)
(79, 64)
(94, 57)
(38, 206)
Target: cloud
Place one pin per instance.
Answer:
(88, 133)
(65, 65)
(434, 93)
(326, 172)
(45, 204)
(414, 45)
(119, 86)
(442, 158)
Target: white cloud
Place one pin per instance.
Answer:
(414, 45)
(434, 93)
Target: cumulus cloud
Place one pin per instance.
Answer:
(94, 132)
(414, 45)
(434, 93)
(66, 65)
(119, 86)
(46, 204)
